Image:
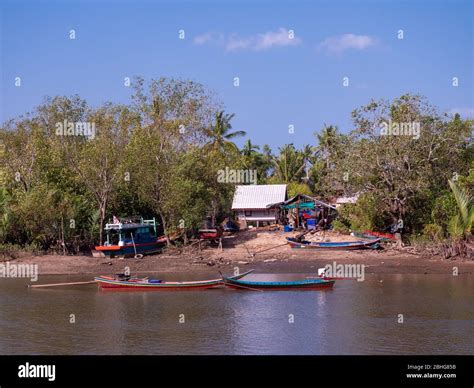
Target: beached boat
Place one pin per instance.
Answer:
(210, 234)
(364, 235)
(368, 235)
(131, 238)
(383, 236)
(145, 284)
(304, 284)
(342, 245)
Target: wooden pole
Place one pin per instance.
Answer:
(297, 214)
(133, 241)
(59, 284)
(267, 249)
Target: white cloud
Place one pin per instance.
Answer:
(259, 42)
(207, 37)
(464, 112)
(338, 44)
(203, 38)
(280, 38)
(234, 43)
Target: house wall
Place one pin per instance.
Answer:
(256, 215)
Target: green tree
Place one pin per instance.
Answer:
(5, 213)
(289, 165)
(97, 162)
(402, 170)
(220, 134)
(327, 140)
(171, 172)
(295, 188)
(460, 225)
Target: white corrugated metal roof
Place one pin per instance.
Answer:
(258, 196)
(352, 199)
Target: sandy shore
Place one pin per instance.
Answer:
(243, 250)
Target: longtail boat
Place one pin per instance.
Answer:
(364, 235)
(210, 234)
(131, 237)
(342, 245)
(305, 284)
(383, 236)
(142, 284)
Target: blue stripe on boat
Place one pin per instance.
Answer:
(292, 283)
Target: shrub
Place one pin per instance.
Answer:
(444, 208)
(433, 232)
(339, 226)
(295, 188)
(365, 214)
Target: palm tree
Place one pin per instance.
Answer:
(220, 134)
(250, 157)
(289, 165)
(307, 153)
(460, 225)
(327, 140)
(249, 149)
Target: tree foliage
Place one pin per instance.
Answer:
(160, 156)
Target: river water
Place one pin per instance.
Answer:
(353, 318)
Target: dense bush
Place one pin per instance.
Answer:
(364, 214)
(160, 156)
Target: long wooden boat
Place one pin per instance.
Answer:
(368, 236)
(305, 284)
(210, 234)
(384, 236)
(342, 245)
(142, 284)
(363, 235)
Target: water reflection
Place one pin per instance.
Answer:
(353, 318)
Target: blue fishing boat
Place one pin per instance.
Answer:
(131, 237)
(304, 284)
(342, 245)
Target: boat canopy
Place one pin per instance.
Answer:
(301, 201)
(304, 205)
(131, 225)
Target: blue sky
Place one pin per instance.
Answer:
(283, 81)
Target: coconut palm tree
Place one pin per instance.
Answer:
(250, 157)
(308, 155)
(219, 134)
(460, 225)
(327, 140)
(249, 149)
(289, 165)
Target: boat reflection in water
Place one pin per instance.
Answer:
(350, 318)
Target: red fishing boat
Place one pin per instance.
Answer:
(387, 236)
(210, 234)
(121, 282)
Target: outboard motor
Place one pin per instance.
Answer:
(121, 277)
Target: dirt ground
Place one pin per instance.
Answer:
(262, 250)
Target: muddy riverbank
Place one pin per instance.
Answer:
(263, 251)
